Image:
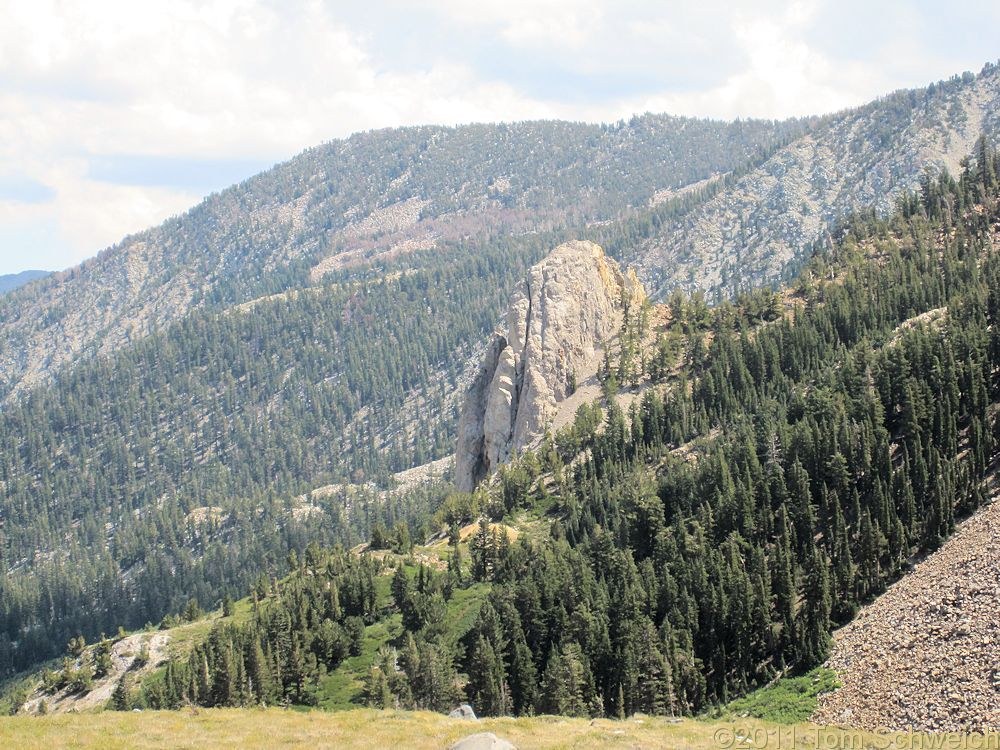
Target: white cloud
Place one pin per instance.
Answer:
(263, 79)
(782, 76)
(189, 79)
(559, 24)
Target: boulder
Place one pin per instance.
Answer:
(463, 712)
(483, 741)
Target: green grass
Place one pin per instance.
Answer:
(790, 700)
(344, 687)
(362, 729)
(463, 608)
(186, 636)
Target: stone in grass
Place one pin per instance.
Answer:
(463, 712)
(482, 741)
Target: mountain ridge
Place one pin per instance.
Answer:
(154, 456)
(378, 193)
(800, 193)
(375, 197)
(777, 462)
(10, 282)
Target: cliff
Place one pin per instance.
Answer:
(558, 318)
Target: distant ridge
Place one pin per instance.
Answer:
(12, 281)
(691, 204)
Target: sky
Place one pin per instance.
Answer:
(117, 115)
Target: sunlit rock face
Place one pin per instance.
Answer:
(558, 316)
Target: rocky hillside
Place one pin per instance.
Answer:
(861, 159)
(785, 458)
(559, 318)
(165, 404)
(924, 655)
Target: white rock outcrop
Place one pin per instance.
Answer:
(559, 316)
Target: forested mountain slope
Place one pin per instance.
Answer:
(383, 194)
(787, 458)
(772, 189)
(169, 399)
(169, 405)
(170, 469)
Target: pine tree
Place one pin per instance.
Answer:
(523, 677)
(783, 585)
(566, 683)
(225, 690)
(487, 689)
(655, 693)
(261, 681)
(120, 700)
(814, 627)
(102, 657)
(377, 692)
(400, 588)
(204, 695)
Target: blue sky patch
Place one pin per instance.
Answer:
(201, 176)
(20, 189)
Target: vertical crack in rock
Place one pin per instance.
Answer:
(569, 304)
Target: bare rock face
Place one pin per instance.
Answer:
(558, 318)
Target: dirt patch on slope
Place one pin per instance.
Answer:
(123, 659)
